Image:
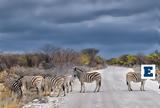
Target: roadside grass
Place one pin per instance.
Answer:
(6, 98)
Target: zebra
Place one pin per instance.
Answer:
(88, 78)
(29, 82)
(47, 84)
(14, 86)
(134, 77)
(68, 81)
(54, 83)
(157, 77)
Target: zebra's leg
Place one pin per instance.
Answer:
(37, 90)
(96, 86)
(67, 86)
(53, 90)
(71, 86)
(81, 87)
(63, 87)
(129, 86)
(45, 89)
(59, 91)
(99, 85)
(142, 86)
(49, 89)
(159, 84)
(24, 90)
(20, 95)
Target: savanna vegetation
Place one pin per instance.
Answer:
(60, 60)
(51, 56)
(130, 60)
(47, 58)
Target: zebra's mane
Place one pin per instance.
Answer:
(79, 70)
(19, 78)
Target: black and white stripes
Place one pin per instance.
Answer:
(54, 83)
(158, 77)
(134, 77)
(88, 77)
(29, 82)
(15, 86)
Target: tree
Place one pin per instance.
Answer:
(154, 58)
(141, 59)
(91, 52)
(99, 60)
(131, 60)
(49, 49)
(85, 59)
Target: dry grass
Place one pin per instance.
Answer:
(4, 92)
(11, 105)
(3, 75)
(5, 98)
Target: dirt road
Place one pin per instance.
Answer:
(114, 93)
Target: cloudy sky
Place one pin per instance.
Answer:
(114, 26)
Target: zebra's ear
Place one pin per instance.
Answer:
(74, 68)
(21, 76)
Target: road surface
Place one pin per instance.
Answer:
(114, 93)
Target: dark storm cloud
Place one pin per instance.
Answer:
(114, 26)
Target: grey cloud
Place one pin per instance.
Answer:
(27, 25)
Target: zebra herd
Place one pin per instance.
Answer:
(44, 84)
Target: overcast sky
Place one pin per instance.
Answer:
(115, 27)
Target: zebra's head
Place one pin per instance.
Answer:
(77, 72)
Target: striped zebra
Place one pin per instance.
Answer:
(29, 82)
(134, 77)
(157, 77)
(68, 81)
(54, 83)
(15, 86)
(88, 78)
